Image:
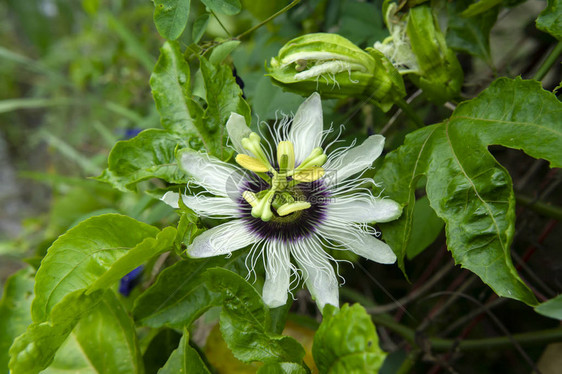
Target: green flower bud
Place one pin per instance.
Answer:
(336, 68)
(417, 47)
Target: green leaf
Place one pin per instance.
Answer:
(179, 295)
(283, 368)
(35, 349)
(470, 35)
(135, 257)
(227, 7)
(115, 350)
(244, 322)
(199, 27)
(550, 19)
(221, 51)
(426, 226)
(148, 155)
(346, 342)
(479, 7)
(466, 187)
(15, 312)
(170, 17)
(551, 308)
(78, 258)
(223, 96)
(184, 360)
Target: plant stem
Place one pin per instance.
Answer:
(539, 207)
(548, 62)
(409, 362)
(438, 344)
(252, 29)
(410, 113)
(220, 23)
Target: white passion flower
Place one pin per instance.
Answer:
(290, 201)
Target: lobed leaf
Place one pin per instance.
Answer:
(77, 259)
(346, 342)
(466, 187)
(245, 320)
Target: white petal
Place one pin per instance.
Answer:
(221, 240)
(359, 242)
(364, 208)
(356, 159)
(212, 174)
(319, 274)
(213, 207)
(277, 274)
(307, 126)
(237, 130)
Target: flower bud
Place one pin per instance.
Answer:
(336, 68)
(417, 47)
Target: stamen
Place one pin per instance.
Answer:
(263, 208)
(251, 163)
(287, 209)
(252, 144)
(250, 198)
(309, 174)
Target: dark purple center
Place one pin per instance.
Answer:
(294, 226)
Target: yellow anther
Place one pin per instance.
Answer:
(285, 156)
(292, 207)
(309, 174)
(250, 198)
(251, 163)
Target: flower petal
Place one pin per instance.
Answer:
(307, 126)
(213, 207)
(221, 240)
(237, 130)
(364, 208)
(277, 274)
(212, 174)
(359, 242)
(319, 274)
(356, 159)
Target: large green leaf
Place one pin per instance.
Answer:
(170, 17)
(245, 322)
(466, 187)
(550, 19)
(346, 342)
(78, 258)
(479, 7)
(148, 155)
(179, 295)
(426, 226)
(115, 350)
(15, 312)
(282, 368)
(35, 349)
(470, 35)
(184, 360)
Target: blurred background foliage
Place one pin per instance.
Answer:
(74, 80)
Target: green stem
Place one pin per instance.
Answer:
(220, 23)
(539, 207)
(410, 113)
(547, 64)
(252, 29)
(438, 344)
(409, 362)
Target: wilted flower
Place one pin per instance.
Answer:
(337, 68)
(289, 201)
(416, 46)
